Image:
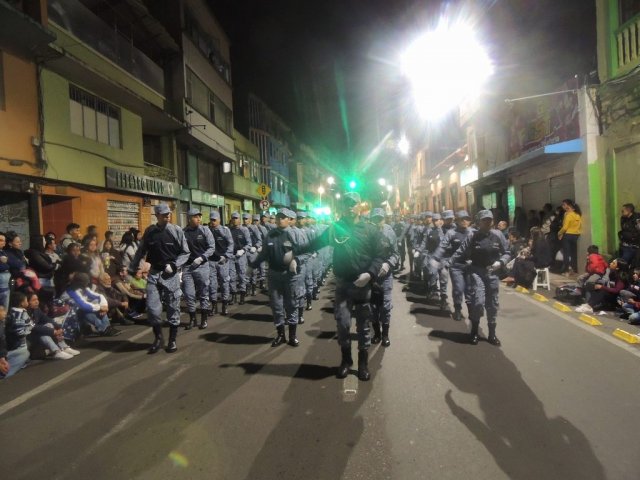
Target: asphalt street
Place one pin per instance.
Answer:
(558, 400)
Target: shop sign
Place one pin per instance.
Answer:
(468, 175)
(206, 198)
(130, 182)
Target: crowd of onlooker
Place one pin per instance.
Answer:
(60, 289)
(548, 239)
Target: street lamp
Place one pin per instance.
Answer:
(389, 188)
(403, 145)
(432, 63)
(382, 182)
(331, 180)
(338, 196)
(320, 192)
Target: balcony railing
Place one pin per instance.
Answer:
(77, 19)
(156, 171)
(628, 38)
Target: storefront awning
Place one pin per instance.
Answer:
(543, 153)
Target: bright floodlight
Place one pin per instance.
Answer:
(445, 67)
(389, 188)
(382, 182)
(403, 145)
(338, 196)
(320, 189)
(331, 180)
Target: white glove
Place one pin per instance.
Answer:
(239, 253)
(287, 258)
(197, 261)
(495, 266)
(314, 255)
(222, 260)
(168, 269)
(362, 280)
(253, 249)
(416, 254)
(259, 249)
(293, 266)
(384, 269)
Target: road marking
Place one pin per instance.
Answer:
(62, 377)
(349, 388)
(588, 319)
(587, 328)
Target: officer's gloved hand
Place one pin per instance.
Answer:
(362, 280)
(253, 249)
(495, 266)
(239, 253)
(288, 257)
(198, 261)
(314, 255)
(416, 254)
(259, 249)
(384, 269)
(293, 266)
(222, 260)
(169, 269)
(446, 264)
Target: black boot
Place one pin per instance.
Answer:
(347, 361)
(492, 339)
(457, 313)
(473, 336)
(300, 315)
(261, 285)
(192, 321)
(203, 320)
(173, 333)
(214, 309)
(316, 291)
(376, 332)
(224, 308)
(233, 299)
(253, 289)
(241, 302)
(158, 342)
(443, 303)
(309, 307)
(385, 335)
(280, 338)
(293, 339)
(363, 365)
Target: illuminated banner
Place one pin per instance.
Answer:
(543, 121)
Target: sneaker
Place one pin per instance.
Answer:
(60, 355)
(71, 351)
(133, 315)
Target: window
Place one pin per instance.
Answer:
(208, 103)
(93, 118)
(209, 46)
(183, 177)
(628, 9)
(2, 102)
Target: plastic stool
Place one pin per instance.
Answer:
(542, 279)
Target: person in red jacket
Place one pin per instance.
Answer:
(594, 270)
(606, 291)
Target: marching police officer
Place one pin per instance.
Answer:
(220, 262)
(303, 262)
(358, 254)
(284, 281)
(434, 272)
(400, 228)
(238, 268)
(383, 286)
(263, 235)
(447, 217)
(166, 249)
(450, 243)
(483, 253)
(196, 273)
(264, 221)
(256, 243)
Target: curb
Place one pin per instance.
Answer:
(590, 320)
(626, 336)
(561, 307)
(539, 297)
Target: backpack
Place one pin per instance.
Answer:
(569, 293)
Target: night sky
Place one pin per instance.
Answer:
(330, 68)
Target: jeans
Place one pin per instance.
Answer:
(628, 253)
(570, 252)
(17, 359)
(5, 278)
(50, 344)
(99, 323)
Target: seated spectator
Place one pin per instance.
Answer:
(46, 334)
(595, 269)
(111, 258)
(4, 363)
(516, 242)
(108, 235)
(540, 250)
(606, 291)
(5, 274)
(89, 307)
(139, 282)
(136, 298)
(94, 259)
(17, 328)
(630, 299)
(117, 302)
(503, 226)
(73, 262)
(24, 276)
(72, 236)
(40, 262)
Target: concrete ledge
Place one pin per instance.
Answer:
(590, 320)
(626, 336)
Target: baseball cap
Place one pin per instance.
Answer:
(447, 214)
(215, 214)
(484, 214)
(256, 217)
(377, 212)
(235, 215)
(437, 216)
(193, 212)
(161, 209)
(463, 214)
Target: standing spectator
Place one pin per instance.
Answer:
(72, 236)
(5, 274)
(629, 233)
(569, 235)
(128, 248)
(545, 215)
